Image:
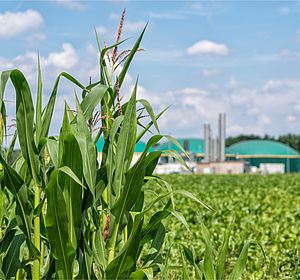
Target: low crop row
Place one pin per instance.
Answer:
(265, 209)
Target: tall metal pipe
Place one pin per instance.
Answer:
(214, 149)
(207, 132)
(222, 119)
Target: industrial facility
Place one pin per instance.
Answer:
(266, 156)
(209, 155)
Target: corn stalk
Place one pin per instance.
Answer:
(89, 214)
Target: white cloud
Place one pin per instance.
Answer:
(66, 59)
(241, 96)
(205, 47)
(284, 10)
(71, 4)
(36, 37)
(290, 118)
(235, 129)
(232, 82)
(253, 111)
(286, 52)
(101, 30)
(280, 84)
(173, 15)
(14, 24)
(133, 27)
(114, 16)
(209, 73)
(297, 106)
(193, 91)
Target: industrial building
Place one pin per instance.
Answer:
(265, 156)
(210, 156)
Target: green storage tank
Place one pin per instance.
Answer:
(255, 152)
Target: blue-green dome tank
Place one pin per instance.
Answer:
(255, 152)
(139, 147)
(262, 147)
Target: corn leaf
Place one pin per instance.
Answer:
(12, 260)
(57, 228)
(86, 146)
(99, 249)
(4, 78)
(129, 59)
(151, 162)
(23, 210)
(184, 266)
(220, 264)
(71, 181)
(208, 268)
(11, 146)
(181, 219)
(142, 133)
(156, 245)
(92, 99)
(143, 273)
(149, 109)
(103, 64)
(25, 119)
(241, 262)
(152, 226)
(48, 110)
(52, 147)
(177, 156)
(125, 261)
(126, 143)
(38, 111)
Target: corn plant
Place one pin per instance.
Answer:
(213, 265)
(63, 214)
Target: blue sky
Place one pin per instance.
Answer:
(202, 57)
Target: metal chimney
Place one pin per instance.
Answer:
(207, 137)
(222, 136)
(214, 149)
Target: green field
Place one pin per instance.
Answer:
(266, 209)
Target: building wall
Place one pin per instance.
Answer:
(292, 165)
(226, 167)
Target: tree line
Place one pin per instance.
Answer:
(292, 140)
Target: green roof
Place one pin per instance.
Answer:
(262, 147)
(139, 147)
(195, 145)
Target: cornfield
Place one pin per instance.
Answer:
(63, 214)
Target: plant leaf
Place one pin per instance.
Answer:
(92, 99)
(86, 146)
(57, 228)
(241, 262)
(12, 260)
(126, 143)
(125, 261)
(220, 264)
(52, 147)
(24, 210)
(48, 111)
(184, 267)
(149, 109)
(208, 269)
(38, 111)
(25, 120)
(129, 59)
